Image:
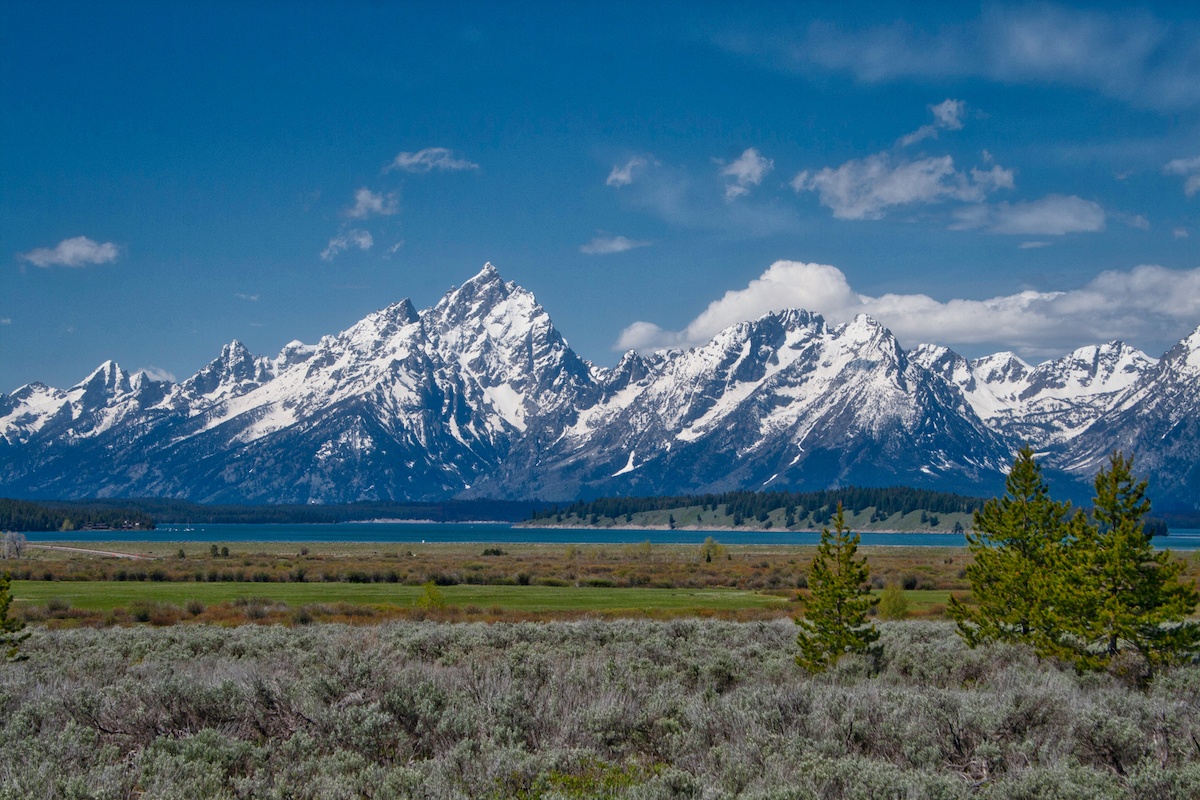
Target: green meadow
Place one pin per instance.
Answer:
(107, 595)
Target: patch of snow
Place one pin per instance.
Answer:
(629, 465)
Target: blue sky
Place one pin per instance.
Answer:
(1003, 176)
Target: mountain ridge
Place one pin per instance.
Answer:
(480, 395)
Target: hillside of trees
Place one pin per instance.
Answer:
(804, 509)
(22, 515)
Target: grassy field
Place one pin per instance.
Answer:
(106, 595)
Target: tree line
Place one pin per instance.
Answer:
(23, 515)
(751, 505)
(1086, 589)
(172, 510)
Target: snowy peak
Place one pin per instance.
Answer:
(107, 381)
(1089, 371)
(234, 372)
(293, 353)
(1003, 369)
(1184, 358)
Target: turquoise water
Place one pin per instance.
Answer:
(502, 532)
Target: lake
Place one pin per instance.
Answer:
(503, 532)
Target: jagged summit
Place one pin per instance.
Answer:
(480, 395)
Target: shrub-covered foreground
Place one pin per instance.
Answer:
(686, 708)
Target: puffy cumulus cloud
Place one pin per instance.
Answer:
(622, 175)
(1147, 302)
(79, 251)
(430, 159)
(367, 203)
(1053, 215)
(865, 188)
(157, 374)
(947, 115)
(746, 171)
(607, 245)
(1189, 167)
(1130, 55)
(351, 238)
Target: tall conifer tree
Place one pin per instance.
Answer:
(1017, 547)
(1126, 596)
(835, 616)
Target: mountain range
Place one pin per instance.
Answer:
(481, 396)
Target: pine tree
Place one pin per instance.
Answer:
(835, 616)
(1017, 547)
(1126, 595)
(10, 629)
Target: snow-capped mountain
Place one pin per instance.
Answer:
(1048, 404)
(480, 395)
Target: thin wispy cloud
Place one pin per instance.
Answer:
(1179, 233)
(252, 298)
(947, 115)
(79, 251)
(351, 238)
(5, 321)
(1032, 245)
(607, 245)
(623, 174)
(1128, 54)
(683, 199)
(368, 203)
(431, 159)
(1189, 167)
(867, 188)
(1053, 215)
(1144, 302)
(746, 171)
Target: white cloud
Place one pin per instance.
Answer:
(1053, 215)
(351, 238)
(606, 245)
(367, 203)
(79, 251)
(1180, 233)
(156, 374)
(430, 159)
(947, 115)
(623, 175)
(1032, 245)
(5, 321)
(1130, 55)
(865, 188)
(747, 170)
(1189, 167)
(1145, 302)
(1138, 221)
(1182, 166)
(253, 298)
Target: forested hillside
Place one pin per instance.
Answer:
(21, 515)
(802, 509)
